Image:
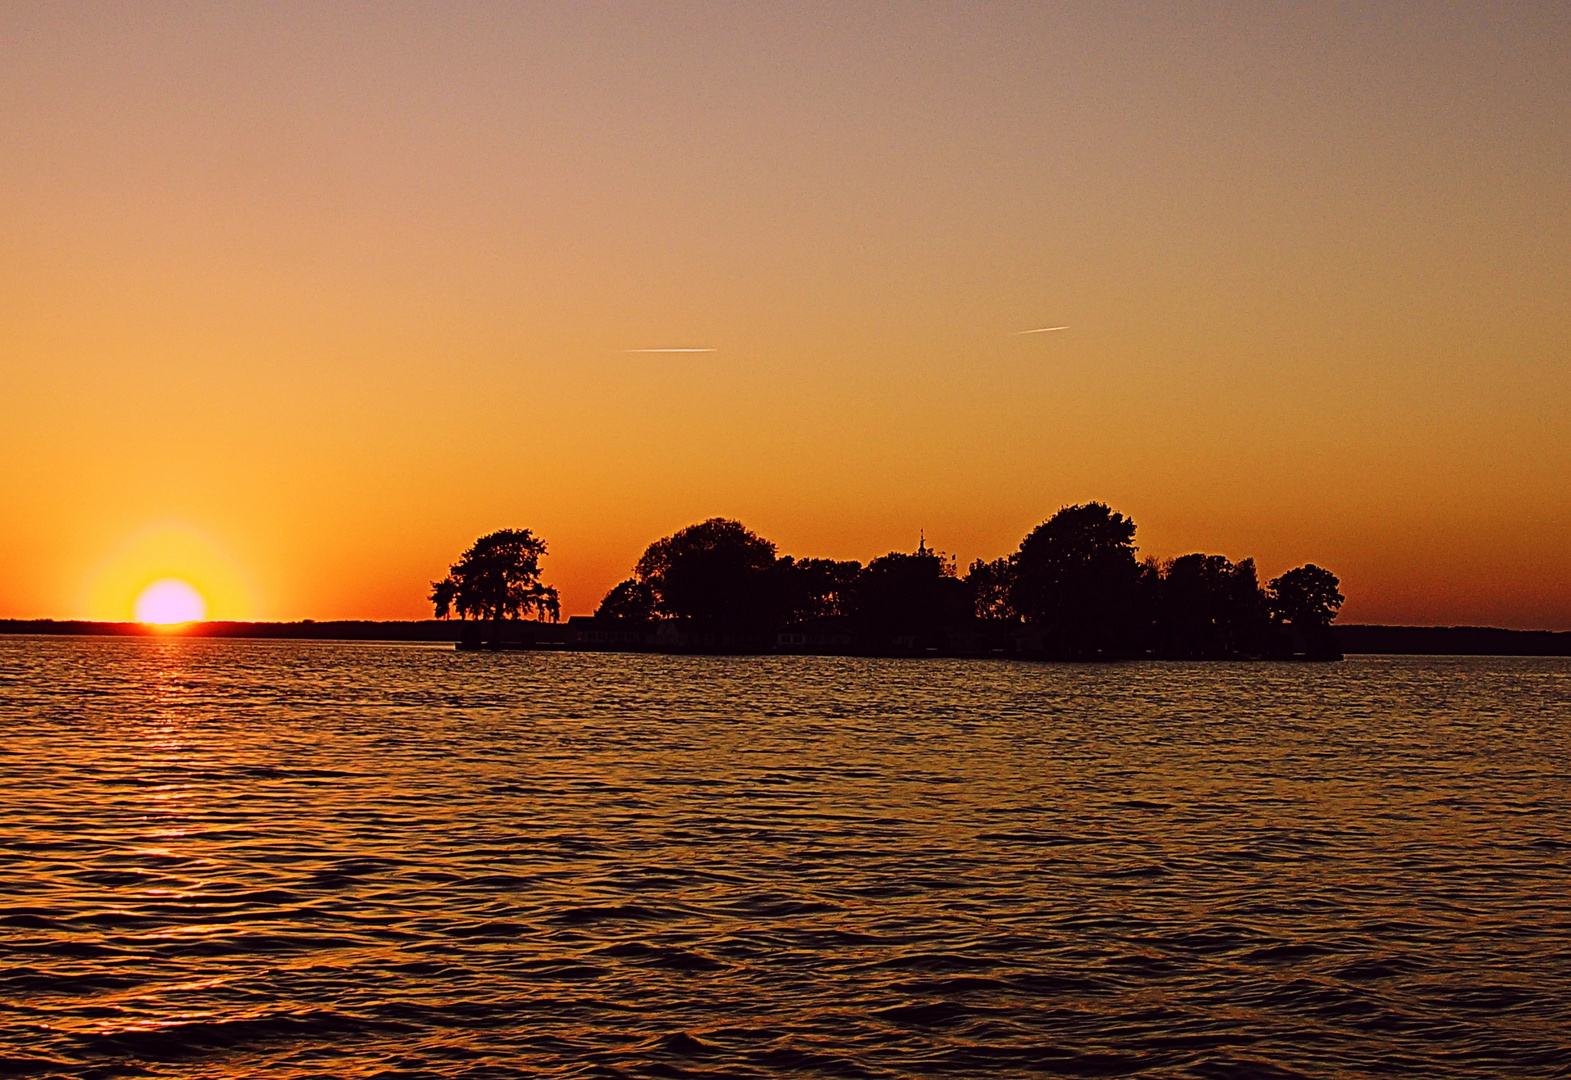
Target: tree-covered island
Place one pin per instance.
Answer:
(1075, 589)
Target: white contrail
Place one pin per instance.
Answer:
(668, 350)
(1042, 330)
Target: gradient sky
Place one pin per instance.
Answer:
(297, 300)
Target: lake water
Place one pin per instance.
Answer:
(290, 859)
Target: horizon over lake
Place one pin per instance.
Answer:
(297, 858)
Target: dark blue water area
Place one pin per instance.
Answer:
(293, 859)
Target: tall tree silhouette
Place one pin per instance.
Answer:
(1076, 576)
(991, 584)
(913, 593)
(717, 573)
(498, 578)
(1208, 607)
(1306, 598)
(817, 588)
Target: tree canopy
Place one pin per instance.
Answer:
(497, 578)
(990, 584)
(1075, 587)
(716, 572)
(1076, 575)
(915, 594)
(630, 599)
(1305, 598)
(817, 588)
(1209, 607)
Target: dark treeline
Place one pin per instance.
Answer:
(1074, 589)
(498, 578)
(1411, 640)
(1453, 641)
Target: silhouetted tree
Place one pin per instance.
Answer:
(913, 594)
(1077, 577)
(1307, 599)
(717, 573)
(816, 588)
(1246, 621)
(1209, 607)
(444, 597)
(991, 584)
(498, 578)
(630, 599)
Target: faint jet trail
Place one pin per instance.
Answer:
(668, 350)
(1042, 330)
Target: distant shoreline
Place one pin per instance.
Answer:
(308, 629)
(1354, 639)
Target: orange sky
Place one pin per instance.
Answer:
(295, 302)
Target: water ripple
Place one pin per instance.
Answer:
(230, 858)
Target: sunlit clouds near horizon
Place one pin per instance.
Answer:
(313, 296)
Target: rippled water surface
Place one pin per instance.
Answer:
(228, 858)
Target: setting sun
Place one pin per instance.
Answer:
(170, 601)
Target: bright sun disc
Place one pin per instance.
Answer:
(170, 601)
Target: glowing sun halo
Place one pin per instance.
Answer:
(170, 601)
